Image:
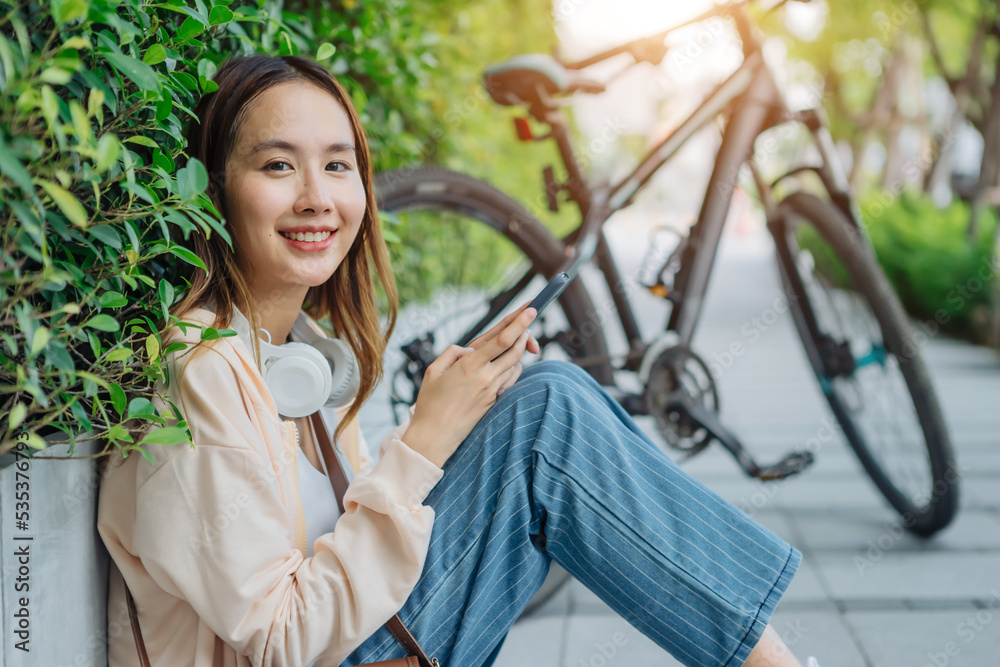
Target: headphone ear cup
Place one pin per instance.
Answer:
(298, 377)
(346, 375)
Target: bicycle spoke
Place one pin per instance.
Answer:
(874, 394)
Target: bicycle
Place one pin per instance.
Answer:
(852, 325)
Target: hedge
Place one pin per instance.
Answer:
(94, 99)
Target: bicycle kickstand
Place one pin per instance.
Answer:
(793, 463)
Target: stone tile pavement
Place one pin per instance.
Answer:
(867, 594)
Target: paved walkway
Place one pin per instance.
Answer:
(866, 593)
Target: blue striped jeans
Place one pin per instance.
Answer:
(557, 470)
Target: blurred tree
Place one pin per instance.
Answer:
(875, 57)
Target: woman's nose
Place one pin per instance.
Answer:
(314, 195)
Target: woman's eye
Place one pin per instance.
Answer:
(268, 167)
(341, 166)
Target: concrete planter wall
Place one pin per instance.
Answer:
(63, 578)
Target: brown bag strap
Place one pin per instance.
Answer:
(133, 617)
(340, 483)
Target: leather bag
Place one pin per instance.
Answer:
(417, 657)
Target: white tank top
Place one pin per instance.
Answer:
(319, 503)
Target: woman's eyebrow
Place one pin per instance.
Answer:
(335, 147)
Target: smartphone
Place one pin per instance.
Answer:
(548, 295)
(549, 292)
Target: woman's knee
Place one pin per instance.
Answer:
(564, 370)
(552, 373)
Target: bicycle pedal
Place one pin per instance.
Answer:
(792, 464)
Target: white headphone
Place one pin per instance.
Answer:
(304, 377)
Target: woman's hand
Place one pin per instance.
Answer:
(462, 384)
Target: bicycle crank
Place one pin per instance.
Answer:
(681, 395)
(793, 463)
(677, 376)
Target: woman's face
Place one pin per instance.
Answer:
(293, 191)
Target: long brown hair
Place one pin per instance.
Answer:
(348, 297)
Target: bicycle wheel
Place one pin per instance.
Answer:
(862, 349)
(468, 254)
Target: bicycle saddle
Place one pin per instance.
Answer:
(525, 78)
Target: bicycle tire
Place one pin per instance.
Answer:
(435, 188)
(900, 351)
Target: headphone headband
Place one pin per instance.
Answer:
(304, 376)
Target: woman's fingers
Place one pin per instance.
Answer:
(499, 327)
(511, 356)
(516, 332)
(533, 345)
(509, 378)
(446, 359)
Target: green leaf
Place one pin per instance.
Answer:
(106, 234)
(154, 55)
(64, 11)
(81, 124)
(35, 441)
(189, 257)
(164, 106)
(190, 28)
(12, 168)
(326, 50)
(118, 399)
(50, 107)
(77, 42)
(17, 415)
(112, 300)
(140, 407)
(167, 294)
(167, 435)
(120, 354)
(192, 179)
(174, 347)
(118, 432)
(142, 141)
(163, 160)
(140, 73)
(190, 11)
(56, 75)
(108, 148)
(97, 380)
(102, 323)
(220, 15)
(94, 101)
(39, 340)
(67, 203)
(186, 81)
(206, 68)
(152, 347)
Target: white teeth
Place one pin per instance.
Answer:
(308, 237)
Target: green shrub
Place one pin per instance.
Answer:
(936, 270)
(924, 251)
(94, 99)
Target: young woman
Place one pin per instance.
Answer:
(234, 549)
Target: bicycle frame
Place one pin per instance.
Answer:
(754, 103)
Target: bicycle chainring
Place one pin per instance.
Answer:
(677, 376)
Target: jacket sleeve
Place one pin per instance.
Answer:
(211, 529)
(366, 462)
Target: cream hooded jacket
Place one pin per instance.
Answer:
(211, 538)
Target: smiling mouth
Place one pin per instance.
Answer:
(308, 237)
